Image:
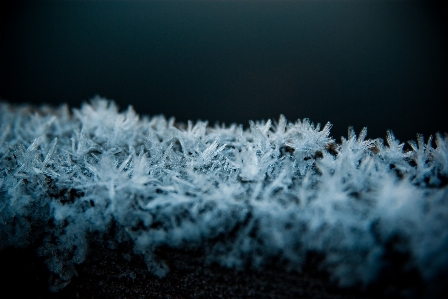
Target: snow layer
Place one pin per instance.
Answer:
(274, 192)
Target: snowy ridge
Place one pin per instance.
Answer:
(274, 191)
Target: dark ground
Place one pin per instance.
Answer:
(106, 273)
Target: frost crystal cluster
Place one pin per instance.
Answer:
(275, 191)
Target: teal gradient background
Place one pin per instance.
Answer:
(380, 64)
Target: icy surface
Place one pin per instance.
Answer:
(275, 191)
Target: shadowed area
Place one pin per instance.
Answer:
(380, 64)
(107, 274)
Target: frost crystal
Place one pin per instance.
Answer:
(274, 191)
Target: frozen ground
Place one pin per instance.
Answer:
(274, 194)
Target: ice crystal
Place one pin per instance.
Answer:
(271, 192)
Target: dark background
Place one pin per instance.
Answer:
(380, 64)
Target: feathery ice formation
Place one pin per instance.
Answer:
(274, 191)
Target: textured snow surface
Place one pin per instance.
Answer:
(273, 192)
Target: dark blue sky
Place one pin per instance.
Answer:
(378, 64)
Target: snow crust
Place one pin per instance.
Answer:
(275, 191)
